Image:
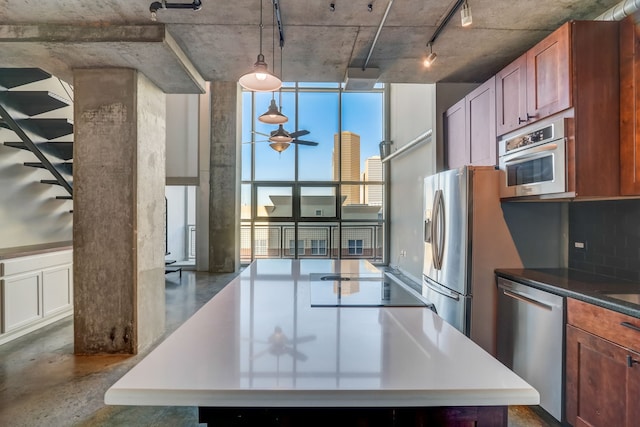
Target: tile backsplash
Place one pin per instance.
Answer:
(610, 233)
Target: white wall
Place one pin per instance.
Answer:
(414, 109)
(29, 211)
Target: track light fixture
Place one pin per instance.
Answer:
(157, 5)
(332, 7)
(465, 15)
(260, 79)
(431, 57)
(370, 7)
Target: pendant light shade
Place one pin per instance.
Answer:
(260, 79)
(280, 135)
(273, 116)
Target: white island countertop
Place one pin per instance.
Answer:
(259, 343)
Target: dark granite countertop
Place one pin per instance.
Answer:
(579, 285)
(19, 251)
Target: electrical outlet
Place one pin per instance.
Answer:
(403, 253)
(579, 245)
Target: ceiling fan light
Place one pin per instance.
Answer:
(279, 146)
(280, 135)
(260, 79)
(273, 116)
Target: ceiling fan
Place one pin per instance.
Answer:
(280, 139)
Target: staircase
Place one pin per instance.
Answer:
(28, 113)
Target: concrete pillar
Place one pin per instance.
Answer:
(224, 172)
(118, 219)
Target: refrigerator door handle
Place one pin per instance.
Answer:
(433, 232)
(439, 230)
(441, 291)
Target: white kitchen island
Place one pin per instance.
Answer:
(260, 353)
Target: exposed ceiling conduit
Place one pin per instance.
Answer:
(375, 39)
(620, 11)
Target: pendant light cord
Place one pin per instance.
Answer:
(261, 26)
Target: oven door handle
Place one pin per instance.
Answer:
(530, 152)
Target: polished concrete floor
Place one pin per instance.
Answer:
(42, 383)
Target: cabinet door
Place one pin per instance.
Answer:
(511, 96)
(601, 388)
(548, 75)
(481, 124)
(457, 150)
(629, 111)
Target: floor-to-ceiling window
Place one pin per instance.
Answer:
(314, 201)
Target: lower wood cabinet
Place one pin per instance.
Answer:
(602, 376)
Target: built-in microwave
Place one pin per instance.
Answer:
(533, 160)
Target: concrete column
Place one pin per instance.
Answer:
(224, 170)
(118, 224)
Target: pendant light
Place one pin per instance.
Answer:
(280, 135)
(260, 79)
(273, 115)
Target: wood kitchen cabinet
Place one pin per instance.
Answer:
(470, 128)
(602, 366)
(565, 67)
(629, 109)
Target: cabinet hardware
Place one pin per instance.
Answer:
(630, 326)
(529, 117)
(631, 361)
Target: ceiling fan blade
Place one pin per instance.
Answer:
(303, 142)
(253, 142)
(260, 133)
(299, 133)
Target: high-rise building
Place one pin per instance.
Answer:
(350, 169)
(372, 194)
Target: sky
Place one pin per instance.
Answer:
(362, 113)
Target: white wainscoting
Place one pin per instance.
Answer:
(35, 291)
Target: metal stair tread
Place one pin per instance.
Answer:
(62, 150)
(48, 128)
(14, 77)
(33, 103)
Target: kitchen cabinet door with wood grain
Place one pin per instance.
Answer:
(630, 106)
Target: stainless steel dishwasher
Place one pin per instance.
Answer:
(531, 340)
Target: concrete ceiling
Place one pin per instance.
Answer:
(221, 41)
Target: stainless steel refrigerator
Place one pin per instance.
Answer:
(466, 237)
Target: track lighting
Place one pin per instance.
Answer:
(157, 5)
(465, 15)
(332, 7)
(370, 7)
(431, 57)
(260, 79)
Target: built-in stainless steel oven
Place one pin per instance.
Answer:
(533, 160)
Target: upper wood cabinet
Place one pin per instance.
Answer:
(547, 78)
(455, 119)
(470, 128)
(630, 106)
(511, 96)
